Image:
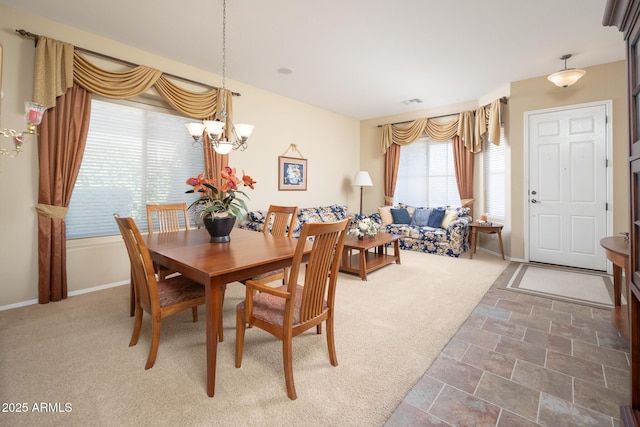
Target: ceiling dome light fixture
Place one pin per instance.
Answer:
(566, 77)
(223, 140)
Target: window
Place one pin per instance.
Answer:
(494, 179)
(135, 154)
(426, 174)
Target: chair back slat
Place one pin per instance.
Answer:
(280, 220)
(168, 217)
(321, 271)
(142, 271)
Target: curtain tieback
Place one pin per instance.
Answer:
(51, 211)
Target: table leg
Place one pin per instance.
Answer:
(212, 298)
(363, 264)
(396, 250)
(472, 246)
(501, 247)
(617, 282)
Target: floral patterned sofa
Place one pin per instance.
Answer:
(450, 240)
(255, 219)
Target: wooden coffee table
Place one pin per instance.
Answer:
(357, 259)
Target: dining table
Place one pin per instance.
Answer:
(247, 254)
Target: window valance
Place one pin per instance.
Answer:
(59, 65)
(471, 128)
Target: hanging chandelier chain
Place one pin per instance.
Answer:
(224, 56)
(223, 134)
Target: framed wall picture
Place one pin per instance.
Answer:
(292, 173)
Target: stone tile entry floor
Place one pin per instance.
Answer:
(522, 360)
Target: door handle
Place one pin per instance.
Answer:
(535, 201)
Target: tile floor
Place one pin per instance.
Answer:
(522, 360)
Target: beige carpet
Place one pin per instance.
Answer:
(588, 287)
(388, 331)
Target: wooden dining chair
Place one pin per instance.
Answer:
(279, 222)
(168, 217)
(159, 298)
(289, 310)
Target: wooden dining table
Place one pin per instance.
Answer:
(248, 254)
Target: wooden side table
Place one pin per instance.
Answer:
(618, 253)
(476, 228)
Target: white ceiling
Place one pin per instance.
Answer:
(359, 58)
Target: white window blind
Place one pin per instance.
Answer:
(494, 179)
(426, 175)
(134, 155)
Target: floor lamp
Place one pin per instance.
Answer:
(361, 180)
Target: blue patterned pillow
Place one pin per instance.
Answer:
(435, 219)
(421, 217)
(400, 216)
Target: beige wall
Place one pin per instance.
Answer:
(333, 159)
(601, 83)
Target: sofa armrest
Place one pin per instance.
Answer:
(459, 227)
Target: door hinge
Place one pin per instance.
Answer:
(606, 206)
(606, 163)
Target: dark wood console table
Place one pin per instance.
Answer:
(618, 253)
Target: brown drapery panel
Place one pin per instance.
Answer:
(63, 134)
(463, 163)
(63, 82)
(391, 162)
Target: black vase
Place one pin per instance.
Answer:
(219, 228)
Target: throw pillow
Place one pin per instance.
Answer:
(450, 215)
(400, 216)
(421, 217)
(385, 215)
(435, 219)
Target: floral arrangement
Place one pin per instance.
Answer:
(222, 200)
(367, 227)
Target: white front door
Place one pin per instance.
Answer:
(567, 200)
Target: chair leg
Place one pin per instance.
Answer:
(132, 297)
(330, 342)
(194, 311)
(155, 342)
(287, 353)
(240, 326)
(137, 325)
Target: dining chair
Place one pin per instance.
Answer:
(279, 222)
(287, 311)
(159, 298)
(168, 217)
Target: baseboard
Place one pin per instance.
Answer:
(498, 254)
(71, 294)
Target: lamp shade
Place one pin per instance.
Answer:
(362, 179)
(223, 147)
(566, 78)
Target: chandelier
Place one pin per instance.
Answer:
(224, 135)
(566, 77)
(32, 116)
